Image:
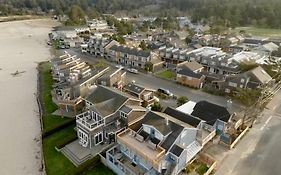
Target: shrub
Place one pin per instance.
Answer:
(66, 141)
(58, 127)
(156, 107)
(182, 100)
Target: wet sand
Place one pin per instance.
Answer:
(22, 46)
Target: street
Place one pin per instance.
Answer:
(258, 153)
(150, 81)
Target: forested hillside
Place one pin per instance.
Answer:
(230, 13)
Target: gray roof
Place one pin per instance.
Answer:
(189, 73)
(193, 66)
(126, 109)
(106, 101)
(134, 88)
(131, 51)
(210, 112)
(186, 118)
(159, 122)
(260, 75)
(176, 150)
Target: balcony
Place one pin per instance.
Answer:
(86, 120)
(153, 154)
(119, 162)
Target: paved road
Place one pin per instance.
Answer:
(153, 82)
(259, 151)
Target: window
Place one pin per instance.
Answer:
(98, 138)
(83, 138)
(123, 115)
(232, 84)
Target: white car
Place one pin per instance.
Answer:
(119, 67)
(134, 71)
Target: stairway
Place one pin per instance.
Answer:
(75, 160)
(192, 150)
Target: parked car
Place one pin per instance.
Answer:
(119, 66)
(165, 92)
(134, 71)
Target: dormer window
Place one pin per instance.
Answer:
(123, 115)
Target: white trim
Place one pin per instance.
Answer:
(97, 134)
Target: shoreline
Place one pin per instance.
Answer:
(13, 18)
(23, 45)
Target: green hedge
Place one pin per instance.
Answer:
(66, 141)
(58, 127)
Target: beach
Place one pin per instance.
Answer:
(22, 46)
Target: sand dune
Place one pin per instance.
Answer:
(22, 45)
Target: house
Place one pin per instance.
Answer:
(99, 46)
(251, 79)
(97, 24)
(114, 77)
(74, 81)
(214, 60)
(214, 115)
(189, 74)
(131, 57)
(63, 33)
(246, 57)
(147, 95)
(159, 143)
(173, 55)
(109, 111)
(269, 47)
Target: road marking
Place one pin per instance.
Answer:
(266, 122)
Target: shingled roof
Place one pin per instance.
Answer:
(106, 101)
(210, 112)
(186, 118)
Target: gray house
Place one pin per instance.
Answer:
(251, 79)
(159, 143)
(108, 112)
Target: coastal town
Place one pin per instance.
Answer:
(134, 95)
(137, 127)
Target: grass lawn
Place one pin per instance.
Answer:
(167, 74)
(55, 162)
(100, 169)
(101, 64)
(202, 168)
(256, 31)
(49, 120)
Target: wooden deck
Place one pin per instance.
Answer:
(142, 148)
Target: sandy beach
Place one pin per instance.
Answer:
(22, 46)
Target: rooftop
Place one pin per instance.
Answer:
(210, 112)
(184, 117)
(136, 89)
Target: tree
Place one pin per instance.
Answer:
(188, 39)
(76, 16)
(143, 45)
(93, 13)
(247, 66)
(248, 96)
(156, 107)
(148, 66)
(182, 100)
